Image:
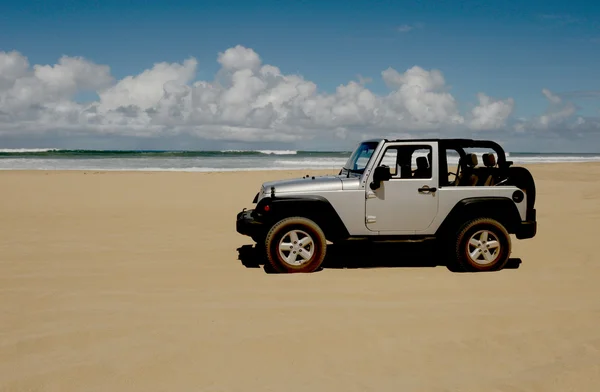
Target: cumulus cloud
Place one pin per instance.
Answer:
(239, 57)
(247, 101)
(146, 89)
(26, 90)
(490, 113)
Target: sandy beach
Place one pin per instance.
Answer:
(132, 281)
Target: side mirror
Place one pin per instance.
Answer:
(382, 173)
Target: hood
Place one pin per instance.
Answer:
(310, 184)
(304, 184)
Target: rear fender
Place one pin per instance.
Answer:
(501, 209)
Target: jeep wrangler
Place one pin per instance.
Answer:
(399, 190)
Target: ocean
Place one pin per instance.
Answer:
(211, 161)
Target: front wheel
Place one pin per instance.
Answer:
(295, 244)
(481, 245)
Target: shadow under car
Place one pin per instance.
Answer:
(354, 255)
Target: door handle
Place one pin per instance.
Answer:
(426, 189)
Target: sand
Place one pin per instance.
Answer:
(132, 282)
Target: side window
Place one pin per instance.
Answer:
(452, 160)
(390, 158)
(408, 161)
(421, 160)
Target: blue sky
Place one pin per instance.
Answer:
(505, 49)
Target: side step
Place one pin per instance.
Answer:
(397, 239)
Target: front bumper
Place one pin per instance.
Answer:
(247, 225)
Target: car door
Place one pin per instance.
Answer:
(407, 202)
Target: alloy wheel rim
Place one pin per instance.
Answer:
(484, 247)
(296, 247)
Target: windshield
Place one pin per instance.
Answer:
(360, 157)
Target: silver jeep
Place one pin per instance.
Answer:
(399, 190)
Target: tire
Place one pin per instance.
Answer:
(481, 244)
(289, 259)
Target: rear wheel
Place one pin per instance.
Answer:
(295, 244)
(481, 245)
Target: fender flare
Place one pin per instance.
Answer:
(315, 208)
(502, 209)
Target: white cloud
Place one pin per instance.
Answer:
(405, 28)
(146, 89)
(247, 101)
(13, 66)
(419, 100)
(238, 58)
(490, 114)
(556, 117)
(23, 89)
(555, 99)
